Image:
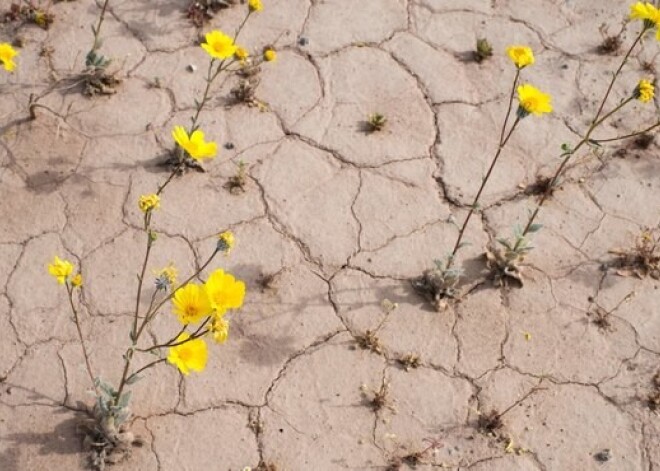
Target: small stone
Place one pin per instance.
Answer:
(191, 68)
(303, 41)
(229, 145)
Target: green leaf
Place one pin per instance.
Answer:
(534, 228)
(505, 243)
(122, 403)
(133, 379)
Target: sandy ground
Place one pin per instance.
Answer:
(333, 221)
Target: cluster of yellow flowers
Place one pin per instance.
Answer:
(192, 303)
(7, 54)
(531, 99)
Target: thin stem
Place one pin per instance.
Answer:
(628, 136)
(211, 77)
(597, 121)
(88, 364)
(561, 167)
(510, 107)
(614, 110)
(503, 140)
(616, 74)
(145, 367)
(97, 28)
(473, 207)
(140, 282)
(173, 343)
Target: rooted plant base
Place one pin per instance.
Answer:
(332, 222)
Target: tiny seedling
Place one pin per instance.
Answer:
(490, 423)
(415, 458)
(540, 186)
(611, 43)
(642, 260)
(483, 50)
(199, 12)
(238, 183)
(369, 341)
(378, 399)
(410, 361)
(376, 122)
(28, 13)
(653, 398)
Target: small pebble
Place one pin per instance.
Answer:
(229, 146)
(191, 68)
(303, 41)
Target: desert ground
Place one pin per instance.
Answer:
(335, 361)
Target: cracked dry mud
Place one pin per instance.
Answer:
(341, 220)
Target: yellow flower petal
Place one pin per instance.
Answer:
(194, 143)
(533, 101)
(255, 5)
(522, 56)
(149, 202)
(191, 304)
(60, 269)
(218, 45)
(7, 54)
(224, 291)
(190, 355)
(645, 91)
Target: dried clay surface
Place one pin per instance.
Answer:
(333, 221)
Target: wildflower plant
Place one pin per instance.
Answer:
(505, 257)
(442, 281)
(644, 92)
(202, 309)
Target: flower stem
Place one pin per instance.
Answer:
(504, 138)
(597, 121)
(97, 29)
(628, 136)
(211, 76)
(76, 318)
(173, 342)
(145, 367)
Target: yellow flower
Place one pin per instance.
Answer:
(219, 45)
(191, 304)
(77, 281)
(270, 55)
(149, 202)
(191, 355)
(532, 100)
(226, 241)
(522, 56)
(648, 13)
(224, 291)
(7, 54)
(219, 329)
(194, 143)
(645, 11)
(255, 5)
(166, 277)
(60, 269)
(241, 53)
(645, 91)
